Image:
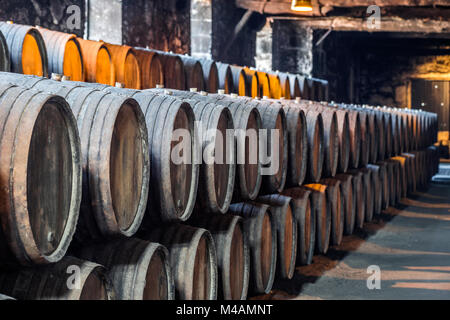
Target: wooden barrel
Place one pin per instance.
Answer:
(355, 138)
(344, 137)
(403, 174)
(384, 183)
(304, 88)
(314, 124)
(210, 75)
(365, 139)
(173, 66)
(194, 73)
(373, 136)
(349, 202)
(322, 212)
(264, 85)
(297, 144)
(275, 86)
(218, 168)
(41, 170)
(69, 279)
(392, 181)
(64, 54)
(233, 254)
(331, 141)
(275, 159)
(151, 67)
(225, 77)
(260, 231)
(306, 223)
(335, 202)
(376, 188)
(126, 65)
(252, 83)
(174, 181)
(411, 174)
(193, 260)
(249, 174)
(26, 47)
(312, 92)
(109, 206)
(387, 135)
(285, 85)
(5, 63)
(380, 127)
(98, 62)
(286, 228)
(370, 194)
(294, 85)
(359, 194)
(139, 270)
(239, 81)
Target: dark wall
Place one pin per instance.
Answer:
(158, 24)
(45, 13)
(226, 16)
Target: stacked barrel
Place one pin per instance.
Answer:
(127, 193)
(42, 52)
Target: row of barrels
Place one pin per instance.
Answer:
(92, 192)
(232, 255)
(101, 158)
(39, 51)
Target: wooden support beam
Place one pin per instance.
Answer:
(392, 24)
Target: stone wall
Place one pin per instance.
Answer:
(45, 13)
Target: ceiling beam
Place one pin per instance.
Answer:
(393, 24)
(278, 7)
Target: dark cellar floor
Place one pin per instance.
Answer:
(410, 244)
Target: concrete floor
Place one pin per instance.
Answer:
(410, 244)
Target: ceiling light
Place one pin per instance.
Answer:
(301, 5)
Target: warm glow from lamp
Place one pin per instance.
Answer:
(301, 5)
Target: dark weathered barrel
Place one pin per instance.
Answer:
(286, 228)
(306, 223)
(97, 61)
(69, 279)
(233, 254)
(210, 75)
(116, 177)
(193, 260)
(139, 270)
(384, 184)
(359, 193)
(355, 138)
(150, 64)
(377, 191)
(41, 170)
(174, 75)
(26, 47)
(294, 86)
(331, 141)
(349, 202)
(274, 148)
(64, 54)
(335, 201)
(5, 63)
(314, 124)
(126, 65)
(322, 212)
(218, 168)
(311, 89)
(304, 88)
(365, 139)
(225, 77)
(344, 140)
(403, 174)
(194, 73)
(297, 144)
(368, 189)
(260, 231)
(411, 174)
(285, 85)
(174, 157)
